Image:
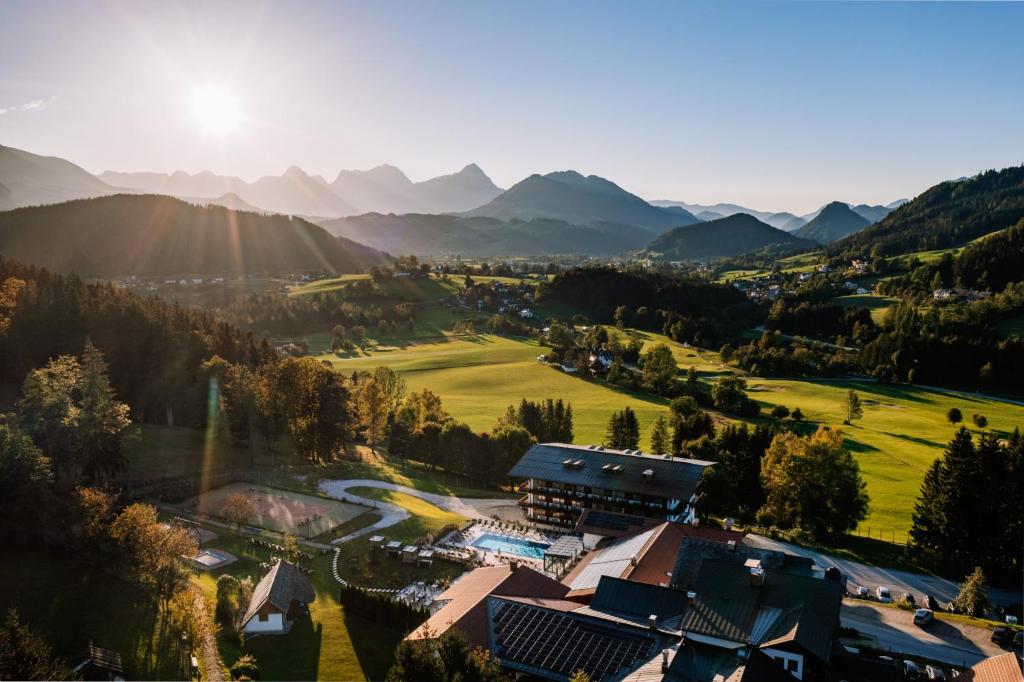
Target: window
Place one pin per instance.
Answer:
(791, 665)
(264, 617)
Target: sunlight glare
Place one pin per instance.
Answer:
(216, 109)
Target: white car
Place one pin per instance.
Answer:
(884, 595)
(862, 591)
(1011, 620)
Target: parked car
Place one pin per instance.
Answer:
(884, 595)
(909, 598)
(911, 671)
(1011, 620)
(862, 592)
(933, 673)
(931, 603)
(1018, 640)
(923, 616)
(1001, 635)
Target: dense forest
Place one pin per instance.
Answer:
(687, 309)
(148, 235)
(946, 215)
(154, 349)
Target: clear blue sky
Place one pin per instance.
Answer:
(776, 105)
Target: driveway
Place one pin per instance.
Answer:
(858, 574)
(892, 629)
(505, 508)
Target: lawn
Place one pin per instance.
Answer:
(1012, 327)
(878, 305)
(479, 377)
(331, 645)
(71, 603)
(903, 430)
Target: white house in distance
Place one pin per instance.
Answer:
(277, 601)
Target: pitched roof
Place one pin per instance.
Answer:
(696, 662)
(787, 608)
(674, 478)
(553, 643)
(279, 587)
(466, 609)
(646, 556)
(1002, 668)
(626, 597)
(695, 551)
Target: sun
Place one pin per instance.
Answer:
(216, 109)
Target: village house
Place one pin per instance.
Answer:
(278, 600)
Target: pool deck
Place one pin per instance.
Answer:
(464, 540)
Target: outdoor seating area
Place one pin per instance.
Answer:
(282, 555)
(421, 593)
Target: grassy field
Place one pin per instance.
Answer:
(903, 430)
(70, 603)
(1012, 327)
(878, 305)
(479, 377)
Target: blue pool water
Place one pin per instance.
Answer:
(510, 545)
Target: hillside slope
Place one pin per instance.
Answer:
(149, 235)
(731, 236)
(948, 214)
(28, 179)
(833, 222)
(426, 234)
(570, 197)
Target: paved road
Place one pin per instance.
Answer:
(952, 643)
(918, 584)
(469, 507)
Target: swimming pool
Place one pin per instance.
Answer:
(510, 545)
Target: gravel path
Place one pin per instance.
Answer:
(503, 508)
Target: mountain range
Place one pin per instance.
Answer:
(833, 222)
(104, 237)
(28, 179)
(723, 238)
(384, 189)
(778, 220)
(580, 200)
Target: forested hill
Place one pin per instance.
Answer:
(948, 214)
(150, 235)
(427, 234)
(722, 238)
(154, 349)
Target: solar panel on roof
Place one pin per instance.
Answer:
(563, 644)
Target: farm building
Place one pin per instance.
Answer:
(562, 481)
(277, 601)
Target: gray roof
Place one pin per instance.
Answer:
(674, 478)
(279, 587)
(693, 552)
(786, 608)
(627, 597)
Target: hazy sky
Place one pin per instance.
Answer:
(778, 106)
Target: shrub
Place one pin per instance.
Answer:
(245, 668)
(780, 411)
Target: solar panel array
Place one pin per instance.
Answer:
(611, 521)
(560, 643)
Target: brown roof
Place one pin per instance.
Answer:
(654, 561)
(283, 584)
(467, 606)
(1002, 668)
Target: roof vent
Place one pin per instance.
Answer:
(633, 560)
(578, 464)
(757, 576)
(649, 474)
(616, 468)
(591, 447)
(607, 468)
(691, 597)
(567, 463)
(732, 545)
(652, 621)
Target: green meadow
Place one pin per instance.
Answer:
(903, 430)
